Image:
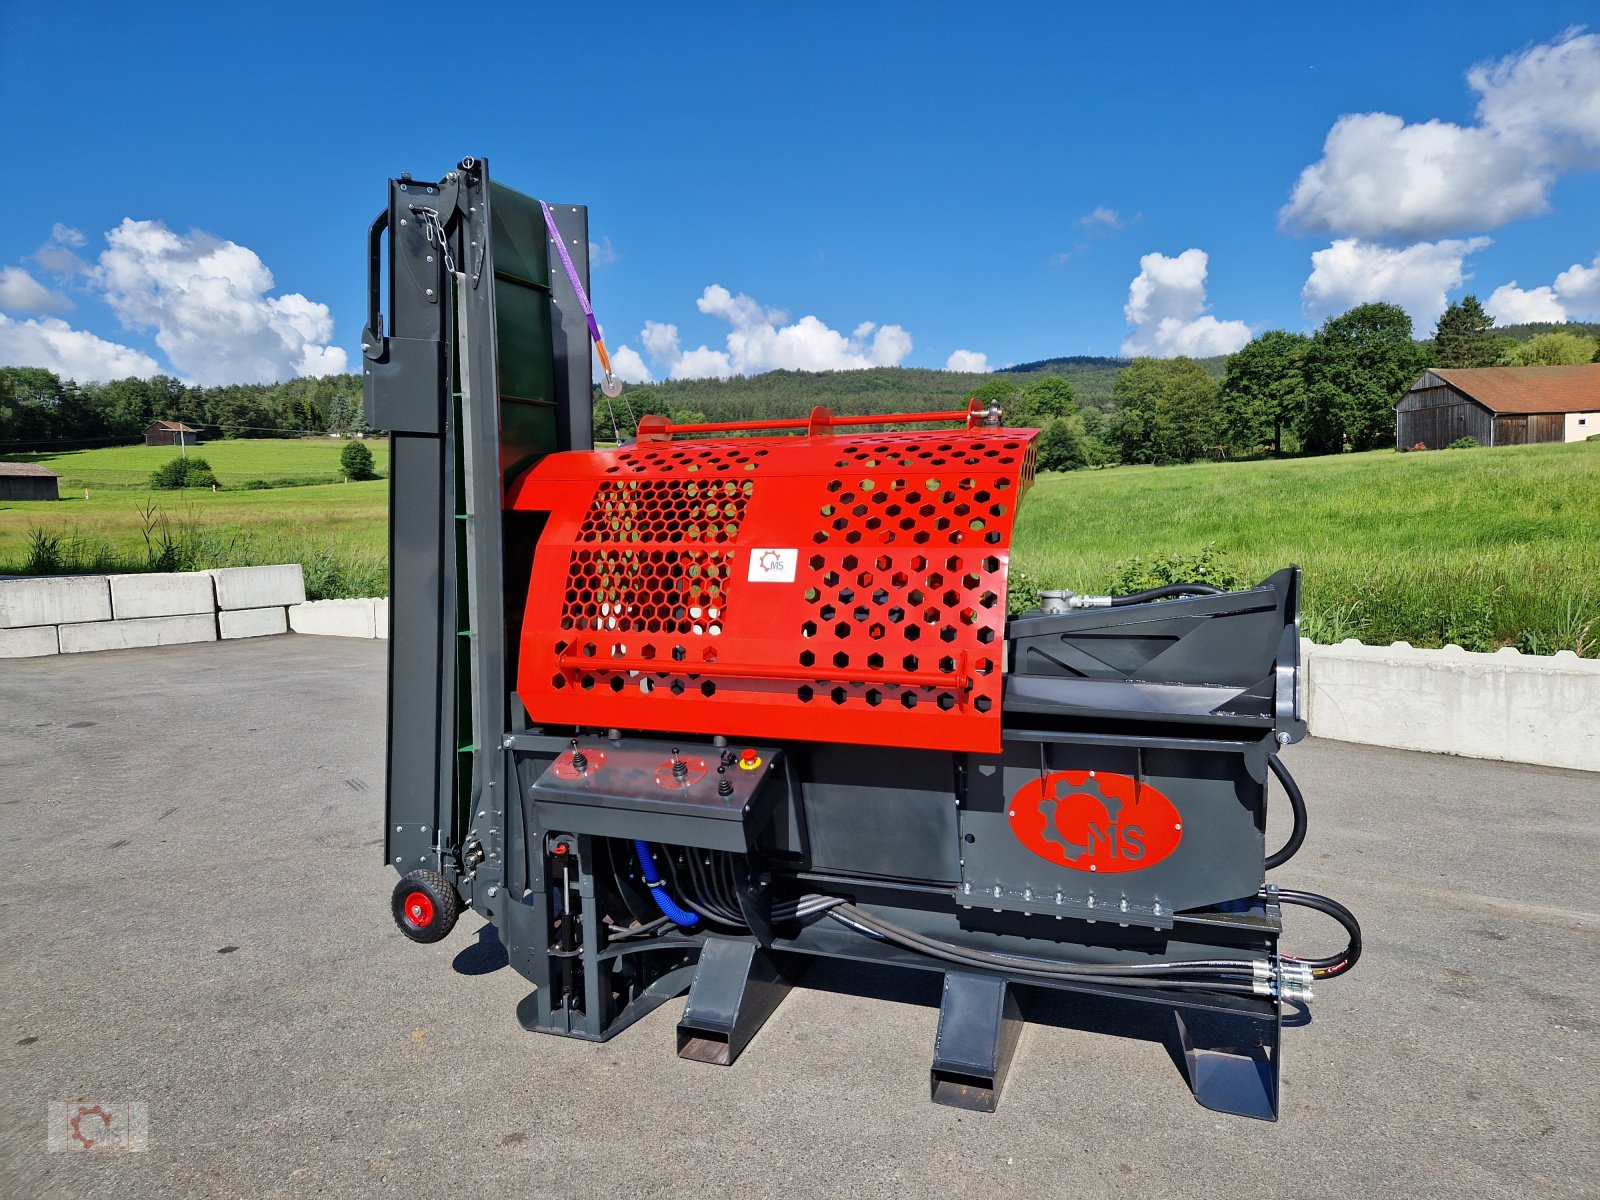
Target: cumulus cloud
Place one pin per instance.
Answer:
(1538, 117)
(21, 292)
(67, 235)
(1351, 272)
(1575, 296)
(206, 299)
(763, 339)
(1579, 289)
(629, 367)
(1166, 307)
(967, 360)
(1512, 305)
(602, 253)
(71, 353)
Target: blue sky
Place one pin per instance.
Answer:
(933, 170)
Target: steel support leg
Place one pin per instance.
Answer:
(1232, 1063)
(979, 1024)
(736, 987)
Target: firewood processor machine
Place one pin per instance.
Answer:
(689, 712)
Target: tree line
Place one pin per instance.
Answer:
(40, 411)
(1282, 393)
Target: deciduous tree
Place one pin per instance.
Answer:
(1263, 389)
(1357, 367)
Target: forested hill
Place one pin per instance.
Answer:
(875, 390)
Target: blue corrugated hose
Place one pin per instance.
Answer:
(663, 901)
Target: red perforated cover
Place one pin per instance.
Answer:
(834, 588)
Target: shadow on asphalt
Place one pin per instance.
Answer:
(485, 956)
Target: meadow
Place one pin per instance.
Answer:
(282, 462)
(337, 530)
(1479, 547)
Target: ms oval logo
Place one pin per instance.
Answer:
(1095, 821)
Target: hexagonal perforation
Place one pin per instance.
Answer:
(617, 590)
(649, 542)
(628, 511)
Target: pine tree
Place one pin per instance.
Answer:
(1464, 336)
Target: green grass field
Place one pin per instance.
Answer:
(234, 462)
(1480, 547)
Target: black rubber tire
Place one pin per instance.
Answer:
(443, 901)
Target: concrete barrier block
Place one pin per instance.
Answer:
(54, 600)
(334, 618)
(259, 587)
(140, 631)
(380, 618)
(252, 622)
(1525, 708)
(31, 641)
(169, 595)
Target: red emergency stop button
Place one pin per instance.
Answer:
(749, 760)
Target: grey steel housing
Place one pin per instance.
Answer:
(1191, 696)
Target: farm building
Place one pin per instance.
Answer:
(171, 433)
(1500, 406)
(27, 481)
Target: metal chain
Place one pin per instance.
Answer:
(433, 229)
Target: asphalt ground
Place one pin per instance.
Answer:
(196, 917)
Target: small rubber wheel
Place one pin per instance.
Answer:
(425, 906)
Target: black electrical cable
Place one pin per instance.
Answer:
(1297, 802)
(1154, 975)
(1334, 964)
(1163, 593)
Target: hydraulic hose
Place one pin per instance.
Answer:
(658, 892)
(1334, 964)
(1297, 802)
(1231, 976)
(1163, 593)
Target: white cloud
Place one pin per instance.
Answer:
(602, 254)
(1538, 116)
(1103, 218)
(207, 300)
(1575, 296)
(21, 292)
(1166, 307)
(71, 353)
(629, 367)
(1352, 272)
(1579, 289)
(1512, 305)
(967, 360)
(67, 235)
(762, 339)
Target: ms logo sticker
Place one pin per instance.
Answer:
(1094, 821)
(772, 564)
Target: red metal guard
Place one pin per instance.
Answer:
(835, 587)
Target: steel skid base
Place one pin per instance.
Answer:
(1229, 1045)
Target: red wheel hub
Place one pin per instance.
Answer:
(419, 909)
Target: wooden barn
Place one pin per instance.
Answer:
(28, 481)
(171, 433)
(1500, 406)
